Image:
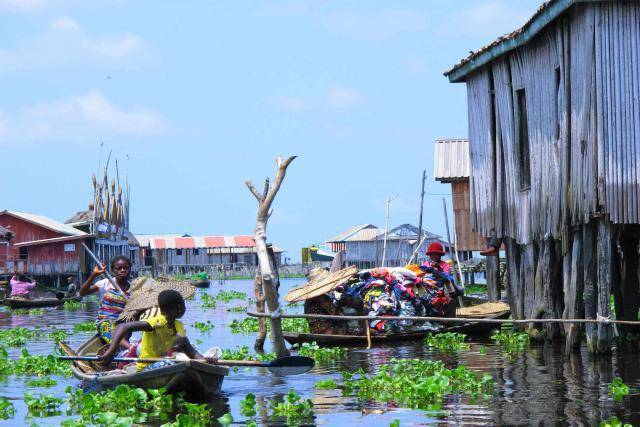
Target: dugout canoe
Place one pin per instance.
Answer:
(470, 328)
(37, 302)
(196, 379)
(201, 283)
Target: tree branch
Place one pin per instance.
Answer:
(282, 170)
(254, 191)
(266, 188)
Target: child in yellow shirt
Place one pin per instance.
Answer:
(161, 335)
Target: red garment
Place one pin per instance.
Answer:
(442, 265)
(435, 248)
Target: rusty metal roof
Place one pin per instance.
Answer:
(45, 222)
(546, 13)
(358, 233)
(451, 160)
(184, 241)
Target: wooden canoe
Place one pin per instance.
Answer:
(196, 379)
(476, 328)
(38, 302)
(201, 283)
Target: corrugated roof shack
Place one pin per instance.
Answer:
(42, 246)
(554, 130)
(174, 253)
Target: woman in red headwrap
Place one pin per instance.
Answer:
(435, 252)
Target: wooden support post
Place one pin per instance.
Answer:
(605, 332)
(573, 290)
(492, 264)
(629, 285)
(589, 259)
(516, 296)
(269, 277)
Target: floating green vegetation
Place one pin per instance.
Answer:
(43, 405)
(17, 337)
(613, 421)
(122, 402)
(294, 408)
(226, 296)
(89, 326)
(475, 289)
(196, 415)
(41, 366)
(417, 384)
(57, 335)
(207, 301)
(226, 419)
(203, 326)
(36, 312)
(447, 342)
(320, 354)
(237, 309)
(329, 384)
(72, 305)
(6, 364)
(20, 311)
(618, 389)
(250, 324)
(42, 382)
(248, 406)
(6, 409)
(241, 352)
(511, 341)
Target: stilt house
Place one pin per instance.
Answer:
(554, 131)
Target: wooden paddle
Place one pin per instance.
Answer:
(290, 365)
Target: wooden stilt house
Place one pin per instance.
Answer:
(554, 131)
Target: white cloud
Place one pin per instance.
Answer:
(377, 26)
(291, 104)
(341, 98)
(86, 117)
(65, 44)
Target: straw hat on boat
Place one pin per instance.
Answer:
(144, 295)
(321, 285)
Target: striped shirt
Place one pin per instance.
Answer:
(112, 302)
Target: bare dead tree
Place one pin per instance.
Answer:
(268, 276)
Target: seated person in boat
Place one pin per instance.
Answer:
(350, 305)
(72, 288)
(323, 304)
(112, 302)
(20, 286)
(162, 335)
(435, 251)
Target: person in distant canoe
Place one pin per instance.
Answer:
(323, 304)
(72, 288)
(21, 286)
(435, 251)
(112, 302)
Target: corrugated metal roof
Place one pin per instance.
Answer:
(346, 235)
(365, 235)
(451, 160)
(405, 232)
(45, 222)
(178, 241)
(80, 217)
(53, 240)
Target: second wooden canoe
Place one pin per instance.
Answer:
(38, 302)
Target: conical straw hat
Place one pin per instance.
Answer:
(318, 287)
(145, 291)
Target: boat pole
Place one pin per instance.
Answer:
(106, 272)
(446, 221)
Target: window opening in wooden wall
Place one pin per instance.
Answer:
(523, 140)
(178, 251)
(24, 253)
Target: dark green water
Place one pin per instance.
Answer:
(541, 386)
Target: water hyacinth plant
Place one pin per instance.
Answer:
(250, 324)
(57, 335)
(618, 389)
(194, 415)
(511, 341)
(207, 301)
(84, 327)
(6, 409)
(417, 384)
(248, 406)
(227, 296)
(613, 421)
(43, 405)
(17, 337)
(72, 305)
(293, 408)
(447, 342)
(42, 382)
(241, 352)
(29, 364)
(328, 384)
(203, 326)
(320, 354)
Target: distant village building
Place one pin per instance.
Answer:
(554, 138)
(363, 245)
(173, 253)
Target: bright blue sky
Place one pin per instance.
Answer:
(202, 95)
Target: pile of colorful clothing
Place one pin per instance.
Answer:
(400, 291)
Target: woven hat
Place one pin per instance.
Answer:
(320, 286)
(144, 295)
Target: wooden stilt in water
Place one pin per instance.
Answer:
(493, 277)
(605, 332)
(590, 270)
(573, 290)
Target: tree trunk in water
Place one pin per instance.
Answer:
(493, 277)
(590, 282)
(262, 327)
(605, 332)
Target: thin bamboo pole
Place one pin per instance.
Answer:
(449, 319)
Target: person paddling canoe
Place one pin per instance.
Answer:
(21, 286)
(112, 301)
